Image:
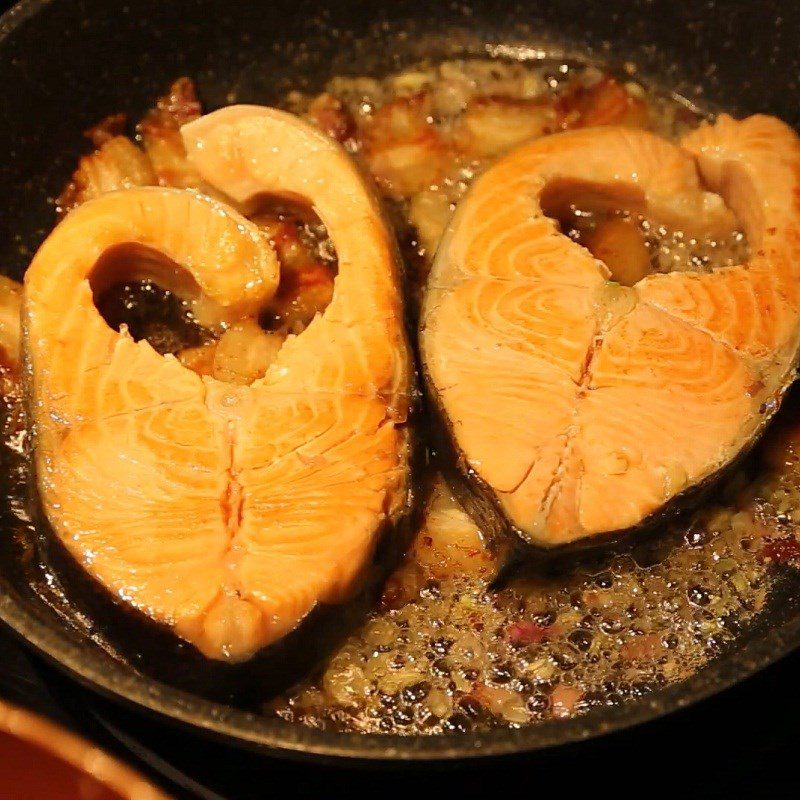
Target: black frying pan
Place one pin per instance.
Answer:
(64, 64)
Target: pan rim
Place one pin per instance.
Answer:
(95, 669)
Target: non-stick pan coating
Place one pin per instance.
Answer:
(64, 64)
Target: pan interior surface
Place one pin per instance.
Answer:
(111, 59)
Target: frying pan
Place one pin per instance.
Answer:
(64, 64)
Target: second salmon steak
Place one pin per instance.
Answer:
(576, 403)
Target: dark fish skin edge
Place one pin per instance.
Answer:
(153, 649)
(510, 544)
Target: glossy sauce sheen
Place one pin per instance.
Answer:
(445, 651)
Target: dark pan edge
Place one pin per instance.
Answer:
(96, 670)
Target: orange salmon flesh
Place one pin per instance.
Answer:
(584, 407)
(227, 512)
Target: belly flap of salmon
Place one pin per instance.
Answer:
(574, 409)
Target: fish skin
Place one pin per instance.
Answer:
(581, 462)
(225, 513)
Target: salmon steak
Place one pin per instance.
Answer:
(573, 405)
(225, 512)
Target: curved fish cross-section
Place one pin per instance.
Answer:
(575, 407)
(225, 512)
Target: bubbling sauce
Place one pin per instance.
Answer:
(446, 650)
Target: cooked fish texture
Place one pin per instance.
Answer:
(224, 510)
(578, 407)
